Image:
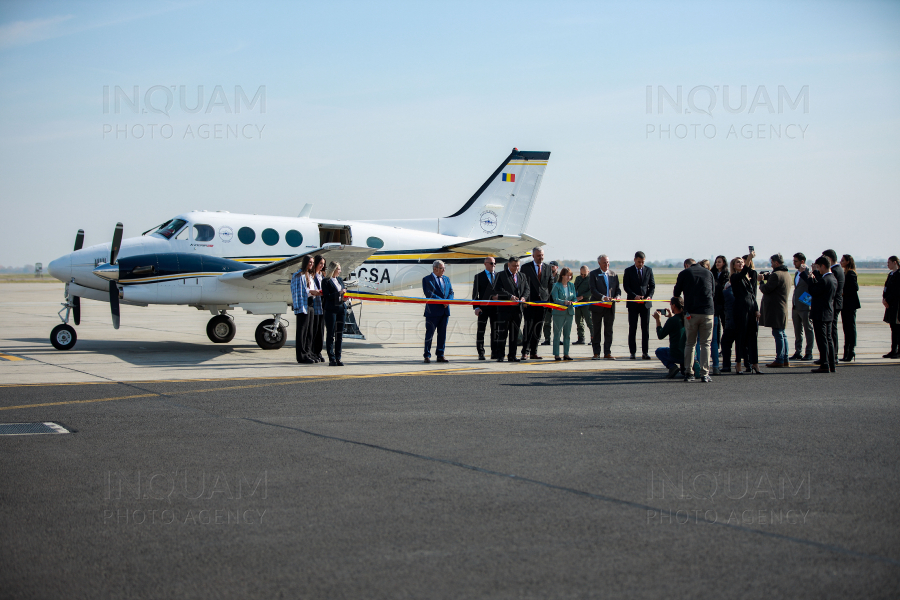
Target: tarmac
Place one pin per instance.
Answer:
(194, 470)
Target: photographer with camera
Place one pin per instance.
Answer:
(776, 289)
(673, 356)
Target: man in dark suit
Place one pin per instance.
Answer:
(604, 287)
(822, 287)
(538, 276)
(800, 312)
(511, 285)
(436, 285)
(639, 285)
(483, 289)
(838, 303)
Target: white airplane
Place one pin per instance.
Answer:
(219, 261)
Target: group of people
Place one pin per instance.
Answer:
(317, 294)
(713, 307)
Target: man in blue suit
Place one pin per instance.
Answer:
(436, 285)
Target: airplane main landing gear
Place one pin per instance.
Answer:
(271, 334)
(63, 337)
(221, 329)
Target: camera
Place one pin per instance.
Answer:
(765, 274)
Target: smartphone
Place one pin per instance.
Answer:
(661, 311)
(751, 248)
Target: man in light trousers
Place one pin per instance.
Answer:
(698, 286)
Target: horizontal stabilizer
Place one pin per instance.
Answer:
(280, 272)
(498, 245)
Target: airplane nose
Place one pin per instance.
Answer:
(107, 271)
(61, 268)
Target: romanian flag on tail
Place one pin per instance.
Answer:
(509, 177)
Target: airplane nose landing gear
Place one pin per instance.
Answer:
(271, 334)
(63, 337)
(221, 329)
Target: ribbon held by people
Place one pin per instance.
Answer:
(410, 300)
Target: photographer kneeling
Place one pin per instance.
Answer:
(673, 356)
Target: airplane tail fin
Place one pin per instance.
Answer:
(503, 203)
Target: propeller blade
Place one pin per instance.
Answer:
(79, 240)
(114, 303)
(76, 309)
(116, 244)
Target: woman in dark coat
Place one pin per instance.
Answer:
(891, 300)
(333, 306)
(746, 312)
(849, 308)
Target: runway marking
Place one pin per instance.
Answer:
(233, 387)
(593, 496)
(11, 357)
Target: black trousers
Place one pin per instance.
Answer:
(534, 324)
(302, 340)
(487, 316)
(825, 342)
(334, 333)
(603, 328)
(848, 322)
(728, 337)
(895, 337)
(745, 338)
(317, 332)
(834, 331)
(508, 324)
(642, 313)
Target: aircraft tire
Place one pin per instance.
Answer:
(220, 329)
(63, 337)
(265, 340)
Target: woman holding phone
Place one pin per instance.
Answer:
(333, 306)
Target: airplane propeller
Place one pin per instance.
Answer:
(110, 271)
(76, 301)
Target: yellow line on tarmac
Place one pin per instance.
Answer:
(10, 357)
(233, 387)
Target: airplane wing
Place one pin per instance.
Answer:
(280, 272)
(498, 245)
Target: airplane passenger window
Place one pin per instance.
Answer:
(171, 228)
(294, 238)
(246, 235)
(270, 237)
(374, 242)
(203, 233)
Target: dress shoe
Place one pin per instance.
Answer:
(514, 359)
(545, 343)
(609, 357)
(716, 371)
(795, 356)
(578, 342)
(321, 358)
(849, 357)
(332, 363)
(556, 358)
(441, 359)
(891, 355)
(818, 362)
(481, 357)
(645, 356)
(307, 361)
(598, 357)
(822, 369)
(633, 357)
(567, 357)
(808, 357)
(427, 360)
(775, 365)
(536, 357)
(524, 356)
(498, 359)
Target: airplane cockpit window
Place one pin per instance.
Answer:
(170, 228)
(203, 233)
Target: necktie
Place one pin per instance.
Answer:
(490, 277)
(516, 279)
(606, 279)
(440, 283)
(539, 272)
(641, 274)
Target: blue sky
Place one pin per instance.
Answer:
(378, 110)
